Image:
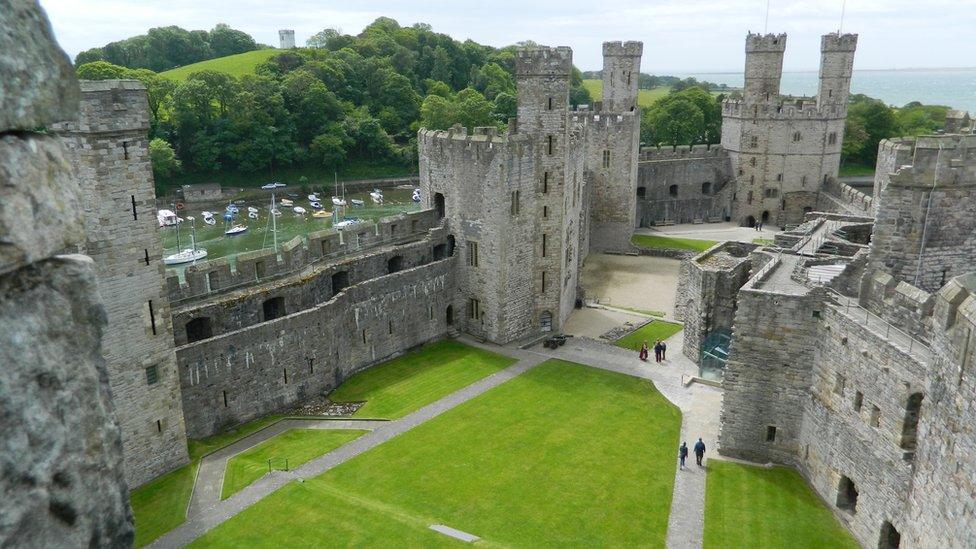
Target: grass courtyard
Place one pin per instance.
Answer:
(747, 506)
(296, 446)
(410, 382)
(650, 332)
(667, 242)
(562, 454)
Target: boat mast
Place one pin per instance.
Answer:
(179, 247)
(274, 223)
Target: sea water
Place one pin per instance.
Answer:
(955, 88)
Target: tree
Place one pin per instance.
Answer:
(323, 38)
(675, 122)
(878, 121)
(437, 113)
(163, 159)
(329, 149)
(506, 106)
(227, 41)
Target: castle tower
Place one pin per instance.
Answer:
(110, 148)
(764, 67)
(286, 39)
(612, 148)
(621, 71)
(836, 67)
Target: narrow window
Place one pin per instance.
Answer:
(391, 327)
(549, 144)
(430, 312)
(796, 137)
(858, 401)
(364, 336)
(152, 375)
(213, 279)
(125, 150)
(514, 206)
(146, 252)
(909, 430)
(779, 177)
(832, 138)
(472, 254)
(550, 104)
(545, 211)
(749, 198)
(325, 247)
(875, 416)
(754, 141)
(706, 188)
(135, 216)
(544, 238)
(152, 317)
(311, 366)
(159, 422)
(803, 181)
(543, 281)
(474, 309)
(606, 158)
(838, 384)
(225, 398)
(545, 182)
(752, 161)
(641, 192)
(285, 372)
(816, 314)
(830, 93)
(673, 191)
(770, 433)
(259, 269)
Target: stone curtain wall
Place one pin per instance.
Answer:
(244, 374)
(61, 457)
(109, 145)
(702, 175)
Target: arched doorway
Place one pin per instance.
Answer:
(449, 315)
(749, 222)
(765, 216)
(439, 205)
(198, 328)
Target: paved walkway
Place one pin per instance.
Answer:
(203, 519)
(721, 232)
(700, 406)
(210, 475)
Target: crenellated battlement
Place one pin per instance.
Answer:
(665, 152)
(110, 106)
(544, 61)
(205, 278)
(623, 49)
(765, 42)
(788, 108)
(942, 160)
(836, 42)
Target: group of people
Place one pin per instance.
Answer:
(699, 452)
(660, 351)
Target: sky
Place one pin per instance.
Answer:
(679, 36)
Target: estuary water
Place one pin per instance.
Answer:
(955, 88)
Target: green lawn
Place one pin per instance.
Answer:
(234, 65)
(763, 241)
(667, 242)
(160, 505)
(560, 455)
(849, 170)
(747, 506)
(650, 332)
(200, 447)
(645, 98)
(297, 446)
(396, 388)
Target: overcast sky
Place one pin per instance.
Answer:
(679, 36)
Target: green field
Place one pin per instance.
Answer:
(853, 170)
(645, 98)
(560, 455)
(650, 332)
(160, 505)
(747, 506)
(297, 446)
(667, 242)
(234, 65)
(396, 388)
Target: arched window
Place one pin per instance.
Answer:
(274, 308)
(198, 328)
(394, 264)
(673, 191)
(439, 205)
(449, 315)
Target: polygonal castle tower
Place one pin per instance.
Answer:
(784, 148)
(613, 144)
(521, 204)
(110, 149)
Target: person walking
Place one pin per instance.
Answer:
(657, 351)
(683, 454)
(699, 451)
(664, 350)
(643, 352)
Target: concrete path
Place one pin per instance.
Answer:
(721, 232)
(204, 518)
(210, 475)
(700, 407)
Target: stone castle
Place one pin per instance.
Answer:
(850, 338)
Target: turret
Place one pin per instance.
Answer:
(836, 66)
(542, 77)
(621, 70)
(764, 66)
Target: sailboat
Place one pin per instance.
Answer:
(188, 255)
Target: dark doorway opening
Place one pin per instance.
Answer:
(450, 245)
(909, 431)
(765, 216)
(847, 495)
(440, 252)
(340, 281)
(274, 308)
(890, 538)
(449, 315)
(439, 205)
(749, 222)
(198, 328)
(394, 264)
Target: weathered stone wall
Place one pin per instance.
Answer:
(892, 154)
(110, 147)
(244, 374)
(61, 457)
(683, 185)
(925, 233)
(899, 303)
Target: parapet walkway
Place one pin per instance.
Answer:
(699, 404)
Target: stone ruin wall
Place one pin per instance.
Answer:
(702, 174)
(932, 202)
(342, 313)
(63, 480)
(110, 147)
